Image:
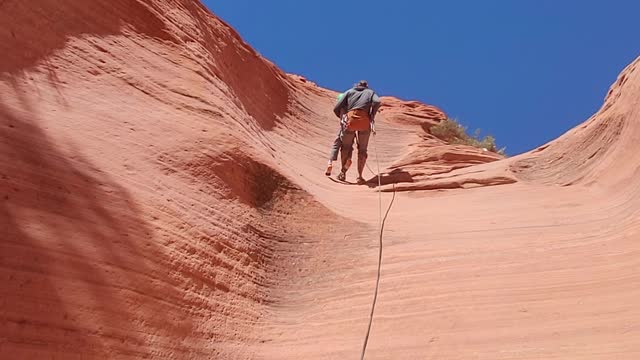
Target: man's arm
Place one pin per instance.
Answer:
(375, 105)
(341, 105)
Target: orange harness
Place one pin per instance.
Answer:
(358, 120)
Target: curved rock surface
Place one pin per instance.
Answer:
(162, 196)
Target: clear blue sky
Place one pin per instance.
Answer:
(524, 71)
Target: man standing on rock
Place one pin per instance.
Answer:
(361, 105)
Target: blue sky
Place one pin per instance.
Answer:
(524, 71)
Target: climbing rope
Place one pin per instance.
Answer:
(381, 224)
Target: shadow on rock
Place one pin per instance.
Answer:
(80, 273)
(395, 176)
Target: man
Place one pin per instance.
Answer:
(361, 105)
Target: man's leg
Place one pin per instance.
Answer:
(363, 144)
(347, 148)
(337, 143)
(333, 156)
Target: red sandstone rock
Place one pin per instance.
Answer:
(162, 197)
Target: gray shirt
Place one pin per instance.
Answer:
(359, 98)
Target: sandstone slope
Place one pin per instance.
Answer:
(163, 197)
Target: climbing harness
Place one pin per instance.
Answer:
(381, 224)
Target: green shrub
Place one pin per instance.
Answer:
(453, 132)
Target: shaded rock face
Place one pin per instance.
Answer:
(138, 216)
(162, 196)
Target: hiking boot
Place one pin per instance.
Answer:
(360, 180)
(329, 169)
(342, 176)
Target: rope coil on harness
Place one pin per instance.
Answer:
(381, 224)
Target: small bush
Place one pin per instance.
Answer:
(452, 132)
